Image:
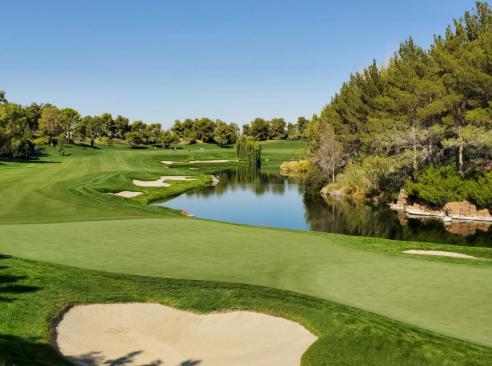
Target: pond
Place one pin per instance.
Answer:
(272, 200)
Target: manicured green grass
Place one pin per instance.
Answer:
(61, 189)
(57, 210)
(33, 294)
(450, 298)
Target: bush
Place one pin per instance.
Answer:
(22, 149)
(41, 141)
(105, 140)
(315, 179)
(300, 166)
(440, 185)
(480, 191)
(368, 177)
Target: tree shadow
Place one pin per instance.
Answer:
(190, 363)
(34, 160)
(20, 351)
(9, 285)
(97, 358)
(84, 144)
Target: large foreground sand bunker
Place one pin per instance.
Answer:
(161, 181)
(153, 334)
(439, 253)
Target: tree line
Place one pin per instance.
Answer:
(276, 129)
(24, 127)
(260, 129)
(421, 109)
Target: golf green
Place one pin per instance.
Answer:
(449, 298)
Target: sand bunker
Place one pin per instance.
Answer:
(127, 194)
(177, 177)
(211, 161)
(161, 181)
(440, 253)
(152, 334)
(169, 162)
(150, 183)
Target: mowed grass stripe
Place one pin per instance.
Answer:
(449, 298)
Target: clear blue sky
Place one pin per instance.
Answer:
(164, 60)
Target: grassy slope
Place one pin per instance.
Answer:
(446, 296)
(347, 336)
(442, 296)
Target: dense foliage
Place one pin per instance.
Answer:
(276, 129)
(421, 108)
(23, 127)
(438, 185)
(206, 130)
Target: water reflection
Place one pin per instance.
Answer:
(269, 199)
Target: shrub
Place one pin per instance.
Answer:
(369, 176)
(480, 190)
(22, 149)
(301, 166)
(41, 141)
(315, 179)
(438, 185)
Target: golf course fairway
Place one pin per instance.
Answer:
(57, 210)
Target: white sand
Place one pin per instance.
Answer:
(170, 162)
(440, 253)
(211, 161)
(176, 177)
(152, 334)
(150, 183)
(127, 194)
(161, 181)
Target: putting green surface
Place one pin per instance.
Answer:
(445, 297)
(58, 211)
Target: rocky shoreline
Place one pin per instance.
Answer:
(452, 211)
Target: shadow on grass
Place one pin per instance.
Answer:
(9, 285)
(83, 144)
(20, 351)
(32, 160)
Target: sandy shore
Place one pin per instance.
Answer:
(153, 334)
(439, 253)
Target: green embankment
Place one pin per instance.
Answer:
(32, 294)
(55, 210)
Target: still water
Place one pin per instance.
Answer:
(272, 200)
